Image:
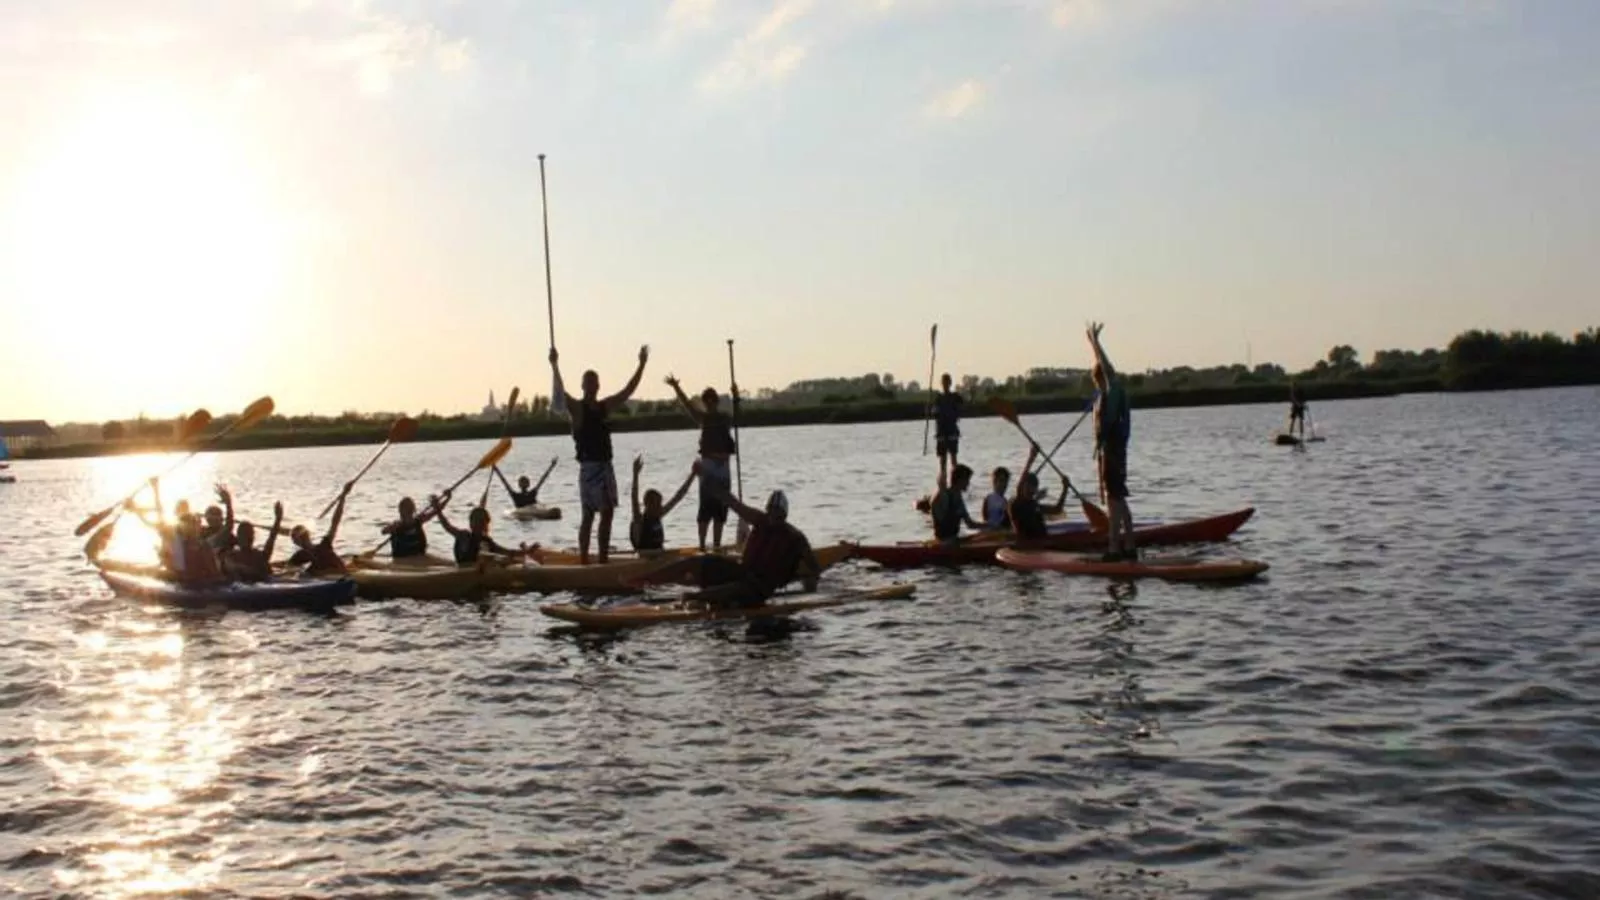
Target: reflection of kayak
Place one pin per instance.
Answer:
(311, 593)
(981, 550)
(1174, 568)
(637, 614)
(535, 511)
(384, 579)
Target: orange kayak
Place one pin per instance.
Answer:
(1171, 568)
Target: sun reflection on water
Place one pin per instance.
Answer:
(152, 734)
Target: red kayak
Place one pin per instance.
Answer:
(926, 553)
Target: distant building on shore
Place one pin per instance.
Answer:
(491, 411)
(25, 434)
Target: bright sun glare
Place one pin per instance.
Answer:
(142, 228)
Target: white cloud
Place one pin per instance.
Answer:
(764, 53)
(957, 101)
(1077, 13)
(685, 15)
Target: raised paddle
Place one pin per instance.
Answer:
(933, 354)
(1005, 409)
(1048, 457)
(505, 429)
(192, 426)
(489, 461)
(558, 394)
(403, 429)
(741, 531)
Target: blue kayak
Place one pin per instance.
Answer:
(310, 593)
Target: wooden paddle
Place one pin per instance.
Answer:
(1048, 457)
(489, 461)
(505, 428)
(933, 354)
(192, 426)
(1005, 409)
(403, 429)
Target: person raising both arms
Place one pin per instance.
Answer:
(246, 563)
(947, 422)
(646, 532)
(526, 493)
(591, 433)
(716, 450)
(1113, 425)
(319, 558)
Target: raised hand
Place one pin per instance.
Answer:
(638, 463)
(277, 511)
(672, 381)
(644, 354)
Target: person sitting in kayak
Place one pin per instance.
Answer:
(320, 558)
(646, 531)
(526, 493)
(591, 433)
(184, 556)
(947, 421)
(717, 449)
(1112, 428)
(219, 524)
(949, 507)
(474, 539)
(1025, 515)
(408, 539)
(775, 554)
(246, 563)
(1297, 411)
(996, 505)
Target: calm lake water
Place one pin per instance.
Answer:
(1407, 706)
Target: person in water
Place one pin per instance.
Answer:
(947, 422)
(408, 538)
(949, 507)
(716, 453)
(646, 532)
(591, 433)
(775, 554)
(1026, 514)
(319, 558)
(996, 505)
(526, 493)
(472, 541)
(1113, 425)
(1297, 411)
(246, 563)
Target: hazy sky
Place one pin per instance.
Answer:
(337, 203)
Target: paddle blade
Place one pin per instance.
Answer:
(88, 525)
(933, 335)
(403, 429)
(495, 454)
(1098, 520)
(191, 427)
(511, 404)
(1004, 408)
(255, 412)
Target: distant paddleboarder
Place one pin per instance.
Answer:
(1113, 424)
(591, 433)
(947, 422)
(1297, 411)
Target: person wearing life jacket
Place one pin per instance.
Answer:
(775, 554)
(949, 507)
(472, 541)
(408, 539)
(1113, 425)
(319, 557)
(996, 506)
(646, 532)
(717, 449)
(591, 434)
(246, 563)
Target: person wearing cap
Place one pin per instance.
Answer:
(775, 554)
(716, 451)
(320, 558)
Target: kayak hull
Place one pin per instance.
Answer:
(639, 615)
(924, 553)
(535, 512)
(319, 593)
(1175, 568)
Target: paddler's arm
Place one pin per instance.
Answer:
(810, 570)
(545, 477)
(572, 403)
(684, 401)
(621, 397)
(1061, 501)
(338, 513)
(638, 465)
(1100, 352)
(694, 472)
(445, 524)
(436, 505)
(502, 476)
(272, 536)
(739, 507)
(226, 496)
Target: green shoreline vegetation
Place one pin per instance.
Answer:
(1474, 361)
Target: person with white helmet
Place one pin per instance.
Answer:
(775, 554)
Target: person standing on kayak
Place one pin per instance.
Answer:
(947, 422)
(647, 532)
(408, 539)
(320, 558)
(1113, 425)
(949, 506)
(591, 432)
(716, 451)
(775, 554)
(1297, 410)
